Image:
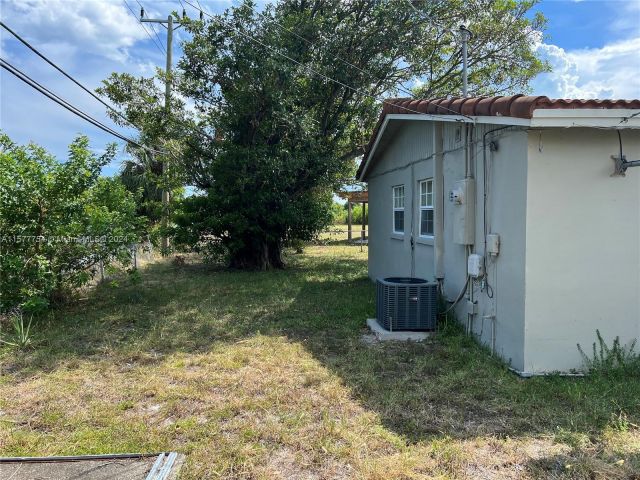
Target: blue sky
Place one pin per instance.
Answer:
(593, 46)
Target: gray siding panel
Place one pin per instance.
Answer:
(389, 254)
(407, 159)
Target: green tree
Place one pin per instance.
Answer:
(338, 213)
(140, 174)
(286, 134)
(58, 220)
(356, 214)
(141, 102)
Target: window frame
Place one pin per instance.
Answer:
(428, 206)
(397, 208)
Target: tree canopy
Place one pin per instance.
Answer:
(287, 97)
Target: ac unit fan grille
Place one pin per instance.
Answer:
(406, 304)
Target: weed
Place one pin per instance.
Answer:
(21, 335)
(620, 422)
(616, 359)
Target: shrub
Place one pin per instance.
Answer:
(356, 214)
(58, 221)
(616, 359)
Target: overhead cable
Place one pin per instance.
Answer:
(158, 46)
(70, 107)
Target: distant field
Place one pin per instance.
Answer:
(263, 375)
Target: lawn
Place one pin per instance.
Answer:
(264, 375)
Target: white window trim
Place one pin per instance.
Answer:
(397, 209)
(422, 208)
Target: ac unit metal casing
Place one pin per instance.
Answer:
(405, 303)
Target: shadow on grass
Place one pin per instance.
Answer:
(195, 307)
(447, 387)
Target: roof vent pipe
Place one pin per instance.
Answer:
(465, 36)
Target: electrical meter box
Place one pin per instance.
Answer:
(493, 244)
(475, 265)
(463, 197)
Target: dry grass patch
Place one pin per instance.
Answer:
(264, 376)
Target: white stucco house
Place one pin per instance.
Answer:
(528, 184)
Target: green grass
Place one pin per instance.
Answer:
(265, 375)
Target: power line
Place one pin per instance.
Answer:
(67, 75)
(320, 74)
(152, 27)
(34, 50)
(402, 89)
(63, 103)
(158, 46)
(429, 20)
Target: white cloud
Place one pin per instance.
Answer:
(612, 71)
(89, 39)
(101, 27)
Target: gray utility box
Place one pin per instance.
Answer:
(405, 303)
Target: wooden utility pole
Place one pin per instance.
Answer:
(170, 22)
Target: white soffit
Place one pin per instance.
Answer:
(586, 117)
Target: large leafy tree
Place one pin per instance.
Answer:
(292, 92)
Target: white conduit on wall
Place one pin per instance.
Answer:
(439, 201)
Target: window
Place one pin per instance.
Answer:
(398, 209)
(426, 208)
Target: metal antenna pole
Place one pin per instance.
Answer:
(167, 105)
(465, 34)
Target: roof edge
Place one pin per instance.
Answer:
(539, 111)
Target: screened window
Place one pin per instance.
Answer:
(398, 209)
(426, 208)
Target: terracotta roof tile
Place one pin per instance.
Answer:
(517, 106)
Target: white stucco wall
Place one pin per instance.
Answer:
(569, 261)
(506, 212)
(583, 245)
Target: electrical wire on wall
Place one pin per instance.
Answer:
(488, 289)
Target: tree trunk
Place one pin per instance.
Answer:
(258, 255)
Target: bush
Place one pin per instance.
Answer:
(356, 214)
(202, 227)
(340, 216)
(58, 221)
